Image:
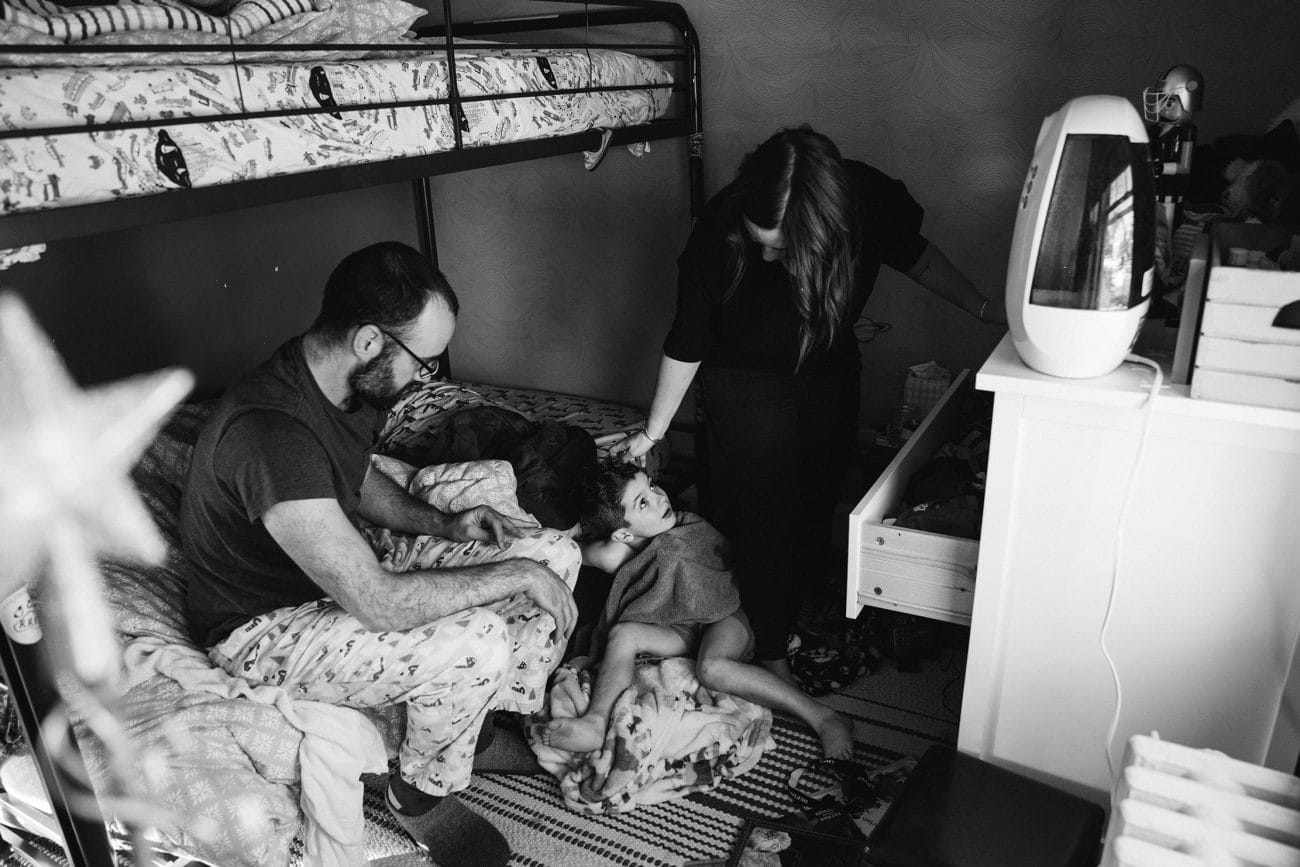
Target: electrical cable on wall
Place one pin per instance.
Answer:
(1148, 409)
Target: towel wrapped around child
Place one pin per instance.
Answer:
(667, 736)
(682, 576)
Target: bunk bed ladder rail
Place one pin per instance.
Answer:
(35, 699)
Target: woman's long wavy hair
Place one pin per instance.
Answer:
(795, 182)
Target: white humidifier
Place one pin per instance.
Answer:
(1079, 276)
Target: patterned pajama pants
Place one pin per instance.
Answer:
(448, 673)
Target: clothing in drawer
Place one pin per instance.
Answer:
(921, 560)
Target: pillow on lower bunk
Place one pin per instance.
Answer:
(299, 21)
(423, 411)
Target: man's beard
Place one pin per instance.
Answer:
(373, 381)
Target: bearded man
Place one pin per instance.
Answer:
(285, 590)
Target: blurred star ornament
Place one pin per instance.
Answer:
(65, 490)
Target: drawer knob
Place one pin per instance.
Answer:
(880, 540)
(879, 592)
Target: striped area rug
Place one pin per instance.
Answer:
(896, 714)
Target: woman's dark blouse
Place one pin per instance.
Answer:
(758, 327)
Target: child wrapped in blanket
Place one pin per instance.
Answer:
(673, 594)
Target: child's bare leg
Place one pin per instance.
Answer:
(617, 669)
(719, 668)
(780, 668)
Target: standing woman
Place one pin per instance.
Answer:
(772, 280)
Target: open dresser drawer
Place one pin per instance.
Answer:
(912, 571)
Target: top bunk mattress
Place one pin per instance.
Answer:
(206, 124)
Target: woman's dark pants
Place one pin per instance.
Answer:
(778, 448)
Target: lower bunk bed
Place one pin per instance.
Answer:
(231, 762)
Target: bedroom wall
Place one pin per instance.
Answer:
(947, 95)
(215, 295)
(567, 276)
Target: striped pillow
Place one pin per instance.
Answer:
(73, 25)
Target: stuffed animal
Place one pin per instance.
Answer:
(1261, 191)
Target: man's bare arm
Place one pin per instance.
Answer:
(319, 538)
(385, 503)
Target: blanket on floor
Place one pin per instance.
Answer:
(667, 737)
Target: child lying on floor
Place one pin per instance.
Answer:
(673, 594)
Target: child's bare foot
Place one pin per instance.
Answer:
(579, 734)
(836, 733)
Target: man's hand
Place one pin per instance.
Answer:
(484, 524)
(551, 595)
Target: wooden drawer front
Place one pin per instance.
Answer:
(1246, 322)
(913, 569)
(1242, 356)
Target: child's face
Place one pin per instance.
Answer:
(646, 508)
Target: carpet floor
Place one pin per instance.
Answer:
(896, 713)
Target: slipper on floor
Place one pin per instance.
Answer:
(822, 670)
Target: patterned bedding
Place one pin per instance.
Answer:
(232, 773)
(59, 168)
(204, 120)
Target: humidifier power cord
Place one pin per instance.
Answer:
(1148, 409)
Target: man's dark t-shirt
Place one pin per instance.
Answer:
(274, 437)
(757, 328)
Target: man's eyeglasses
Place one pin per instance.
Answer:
(430, 367)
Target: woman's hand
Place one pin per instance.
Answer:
(633, 448)
(484, 524)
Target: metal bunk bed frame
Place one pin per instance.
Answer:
(69, 222)
(25, 667)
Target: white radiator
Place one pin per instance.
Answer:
(1180, 807)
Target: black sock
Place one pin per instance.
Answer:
(486, 733)
(407, 799)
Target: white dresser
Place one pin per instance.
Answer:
(1206, 609)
